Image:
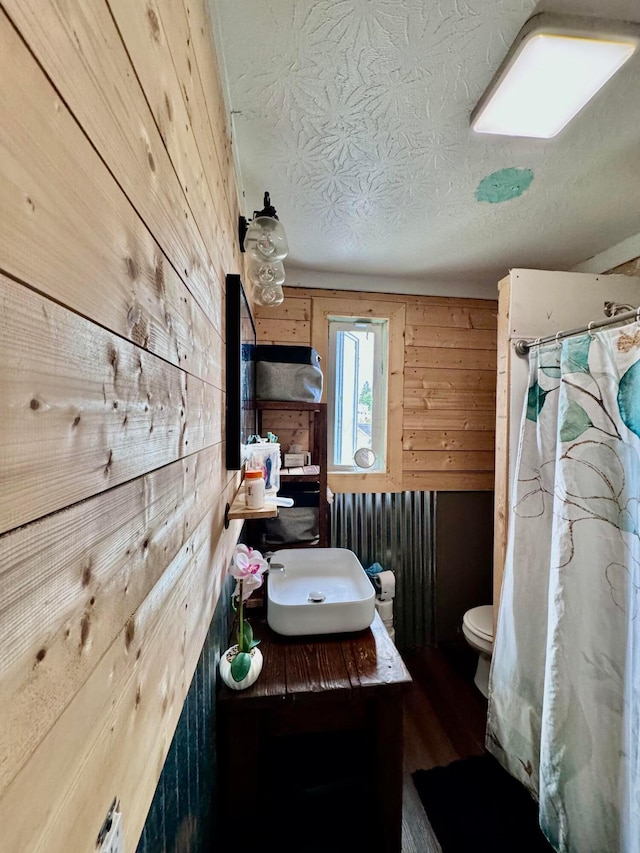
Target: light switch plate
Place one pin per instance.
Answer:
(111, 838)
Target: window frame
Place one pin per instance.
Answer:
(353, 308)
(378, 327)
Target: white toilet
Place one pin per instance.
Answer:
(477, 627)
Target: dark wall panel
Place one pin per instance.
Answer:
(182, 817)
(464, 558)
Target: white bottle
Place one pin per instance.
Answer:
(254, 489)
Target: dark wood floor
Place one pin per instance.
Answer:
(444, 720)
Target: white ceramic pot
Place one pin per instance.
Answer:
(254, 670)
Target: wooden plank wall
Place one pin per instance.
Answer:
(118, 216)
(449, 408)
(629, 268)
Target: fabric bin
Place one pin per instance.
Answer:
(288, 373)
(296, 524)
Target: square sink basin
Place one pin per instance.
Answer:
(319, 591)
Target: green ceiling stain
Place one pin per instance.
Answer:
(504, 184)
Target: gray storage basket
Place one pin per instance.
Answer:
(288, 373)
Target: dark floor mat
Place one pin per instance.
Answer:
(474, 804)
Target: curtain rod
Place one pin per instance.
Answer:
(522, 347)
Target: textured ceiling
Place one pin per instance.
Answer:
(354, 114)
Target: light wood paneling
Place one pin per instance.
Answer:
(270, 331)
(416, 398)
(430, 336)
(451, 316)
(86, 410)
(455, 419)
(148, 44)
(448, 481)
(447, 440)
(450, 358)
(97, 561)
(69, 232)
(628, 268)
(447, 413)
(118, 218)
(118, 727)
(85, 59)
(447, 379)
(449, 460)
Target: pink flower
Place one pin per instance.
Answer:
(248, 566)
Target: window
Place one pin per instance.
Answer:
(361, 342)
(358, 361)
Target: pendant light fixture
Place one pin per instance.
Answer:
(264, 240)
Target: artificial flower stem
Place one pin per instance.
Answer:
(240, 619)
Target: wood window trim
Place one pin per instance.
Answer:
(321, 309)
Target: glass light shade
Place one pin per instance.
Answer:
(265, 239)
(265, 274)
(547, 81)
(269, 295)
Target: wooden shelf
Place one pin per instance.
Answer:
(317, 446)
(239, 509)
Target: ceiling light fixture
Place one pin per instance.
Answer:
(263, 238)
(554, 67)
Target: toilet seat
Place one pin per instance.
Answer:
(479, 622)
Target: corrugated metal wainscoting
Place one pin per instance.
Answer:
(394, 529)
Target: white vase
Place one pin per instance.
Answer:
(226, 659)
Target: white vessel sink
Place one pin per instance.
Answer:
(319, 591)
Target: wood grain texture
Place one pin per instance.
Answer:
(453, 316)
(72, 580)
(450, 358)
(84, 57)
(448, 481)
(85, 410)
(447, 440)
(430, 336)
(114, 735)
(118, 215)
(68, 231)
(420, 398)
(270, 331)
(448, 379)
(183, 35)
(458, 419)
(448, 375)
(452, 460)
(145, 37)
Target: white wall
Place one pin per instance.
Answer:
(468, 289)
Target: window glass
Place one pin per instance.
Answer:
(357, 395)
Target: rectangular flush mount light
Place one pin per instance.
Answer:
(555, 66)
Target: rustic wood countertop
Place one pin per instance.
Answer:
(299, 667)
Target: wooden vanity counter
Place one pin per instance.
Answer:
(310, 686)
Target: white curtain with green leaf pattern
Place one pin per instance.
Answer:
(564, 695)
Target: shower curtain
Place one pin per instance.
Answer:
(564, 694)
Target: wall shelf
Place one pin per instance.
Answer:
(318, 447)
(239, 509)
